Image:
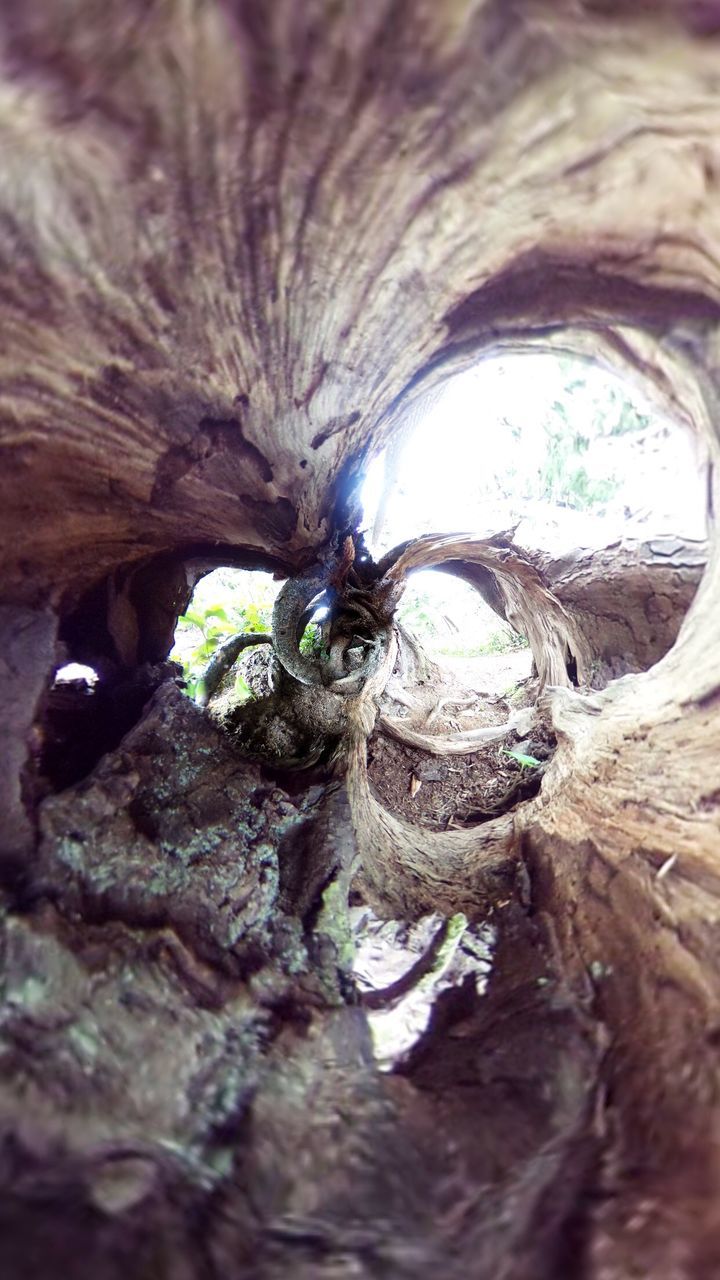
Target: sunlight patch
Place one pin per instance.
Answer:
(76, 671)
(554, 446)
(385, 952)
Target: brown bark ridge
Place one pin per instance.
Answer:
(628, 599)
(523, 598)
(589, 616)
(239, 243)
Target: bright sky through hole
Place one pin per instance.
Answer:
(473, 460)
(75, 671)
(477, 461)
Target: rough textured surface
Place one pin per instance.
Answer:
(217, 218)
(187, 1085)
(639, 865)
(27, 649)
(589, 616)
(239, 242)
(170, 828)
(517, 591)
(628, 600)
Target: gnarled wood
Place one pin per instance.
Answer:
(527, 604)
(629, 599)
(239, 242)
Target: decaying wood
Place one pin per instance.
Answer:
(645, 940)
(239, 243)
(527, 604)
(464, 742)
(162, 298)
(407, 871)
(596, 614)
(629, 599)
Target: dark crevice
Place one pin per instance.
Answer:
(572, 669)
(81, 724)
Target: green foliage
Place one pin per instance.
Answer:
(525, 762)
(242, 688)
(603, 408)
(588, 407)
(602, 402)
(561, 480)
(419, 615)
(430, 625)
(223, 609)
(311, 642)
(502, 641)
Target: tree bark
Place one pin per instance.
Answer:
(599, 614)
(239, 243)
(629, 600)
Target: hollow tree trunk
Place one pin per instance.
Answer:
(629, 599)
(239, 242)
(607, 612)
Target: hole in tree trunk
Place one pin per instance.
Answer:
(555, 447)
(226, 602)
(401, 968)
(238, 241)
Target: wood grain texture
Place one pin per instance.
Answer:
(239, 242)
(235, 239)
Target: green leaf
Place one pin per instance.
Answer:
(242, 686)
(526, 762)
(190, 689)
(194, 618)
(217, 632)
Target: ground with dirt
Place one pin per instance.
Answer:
(442, 792)
(447, 790)
(448, 695)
